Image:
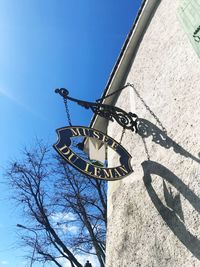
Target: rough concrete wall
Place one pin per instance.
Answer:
(153, 215)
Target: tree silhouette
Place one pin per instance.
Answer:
(66, 209)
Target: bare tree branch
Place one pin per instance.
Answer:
(44, 187)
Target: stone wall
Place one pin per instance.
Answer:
(153, 214)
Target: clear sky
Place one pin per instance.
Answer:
(44, 45)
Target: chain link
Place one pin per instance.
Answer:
(67, 111)
(123, 131)
(141, 99)
(122, 135)
(153, 115)
(148, 108)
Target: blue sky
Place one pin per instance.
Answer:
(44, 45)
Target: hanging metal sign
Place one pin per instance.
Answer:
(127, 120)
(86, 167)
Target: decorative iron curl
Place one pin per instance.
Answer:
(126, 120)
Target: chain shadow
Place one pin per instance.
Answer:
(171, 215)
(146, 129)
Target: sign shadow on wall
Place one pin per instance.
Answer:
(147, 129)
(171, 211)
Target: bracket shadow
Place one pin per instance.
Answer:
(146, 129)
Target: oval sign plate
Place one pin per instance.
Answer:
(111, 174)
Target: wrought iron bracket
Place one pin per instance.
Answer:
(128, 120)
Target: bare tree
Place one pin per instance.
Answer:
(65, 209)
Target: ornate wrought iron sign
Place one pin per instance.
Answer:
(86, 167)
(126, 120)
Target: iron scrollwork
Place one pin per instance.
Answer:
(126, 120)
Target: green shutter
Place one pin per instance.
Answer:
(189, 16)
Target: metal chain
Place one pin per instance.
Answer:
(122, 135)
(154, 116)
(68, 118)
(141, 99)
(123, 131)
(67, 111)
(148, 108)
